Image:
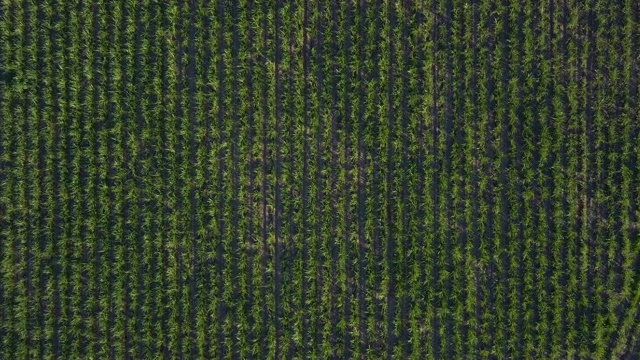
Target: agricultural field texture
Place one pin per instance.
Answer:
(326, 179)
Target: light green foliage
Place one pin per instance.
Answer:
(319, 179)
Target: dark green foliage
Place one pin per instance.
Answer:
(319, 179)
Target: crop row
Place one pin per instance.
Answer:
(275, 179)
